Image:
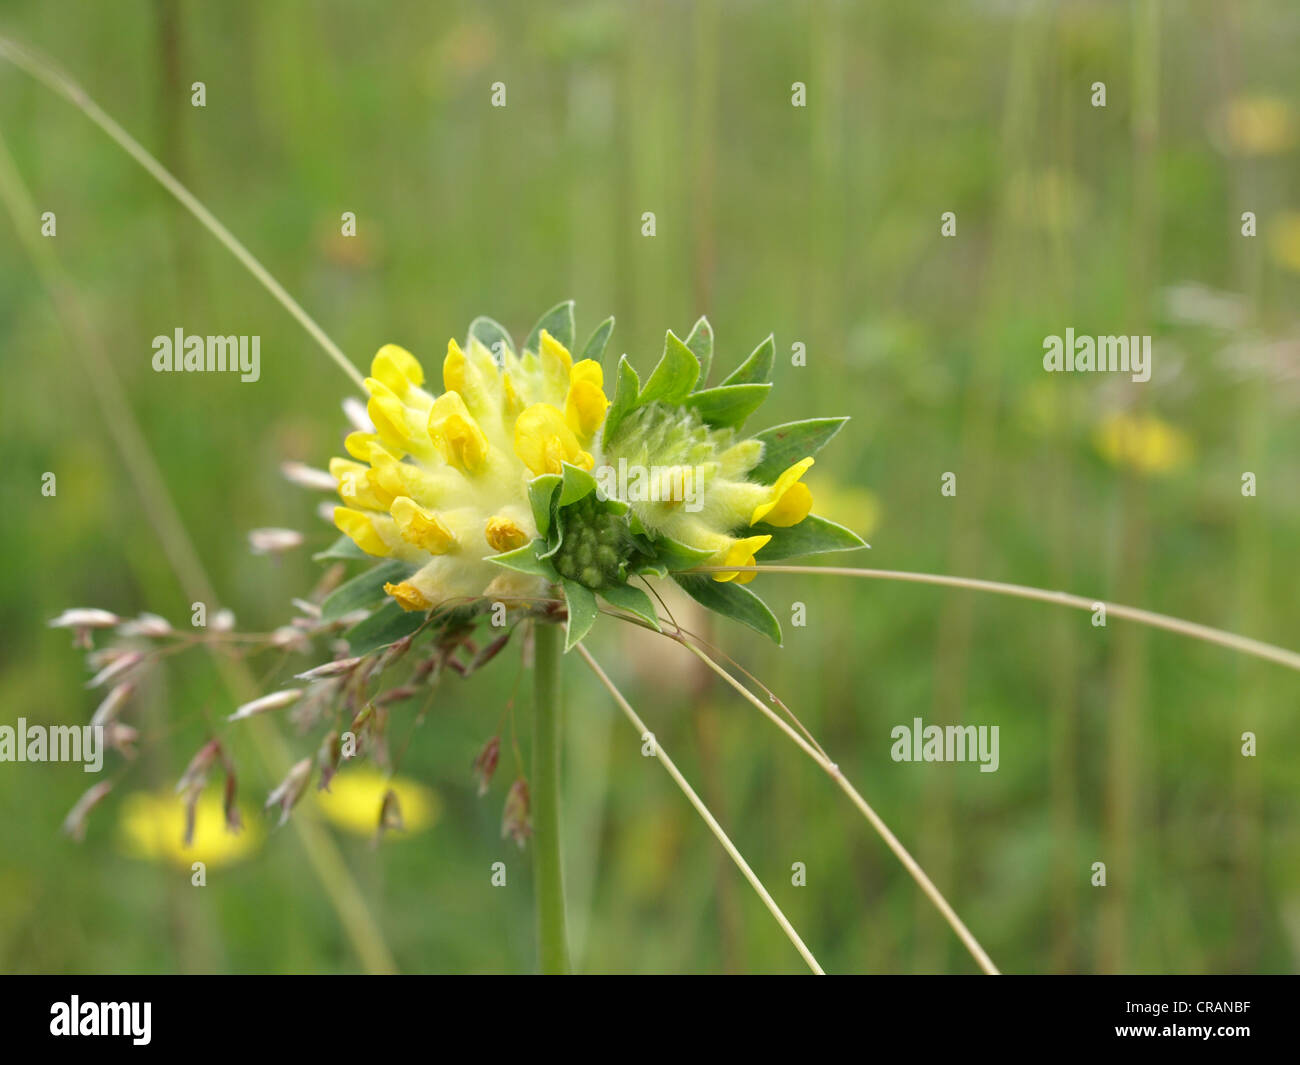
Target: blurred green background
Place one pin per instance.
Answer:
(818, 223)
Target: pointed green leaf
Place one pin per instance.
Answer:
(626, 389)
(493, 336)
(812, 536)
(633, 600)
(758, 367)
(734, 600)
(541, 491)
(595, 347)
(385, 626)
(701, 344)
(524, 560)
(558, 321)
(727, 405)
(784, 445)
(344, 547)
(582, 612)
(675, 376)
(577, 484)
(364, 590)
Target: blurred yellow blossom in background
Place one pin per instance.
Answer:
(1142, 442)
(1285, 243)
(849, 505)
(152, 826)
(355, 801)
(1255, 126)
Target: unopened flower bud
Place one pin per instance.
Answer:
(75, 823)
(120, 665)
(108, 710)
(515, 821)
(274, 701)
(146, 625)
(337, 668)
(486, 763)
(84, 618)
(289, 790)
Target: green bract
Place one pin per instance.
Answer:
(675, 485)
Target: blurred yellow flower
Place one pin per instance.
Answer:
(1285, 243)
(152, 826)
(355, 801)
(849, 505)
(1257, 125)
(1142, 442)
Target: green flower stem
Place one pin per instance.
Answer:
(548, 862)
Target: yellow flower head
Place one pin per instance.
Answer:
(442, 483)
(522, 473)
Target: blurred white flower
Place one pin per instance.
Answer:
(274, 541)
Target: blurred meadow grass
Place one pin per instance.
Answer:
(820, 224)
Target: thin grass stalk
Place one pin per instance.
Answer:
(1243, 644)
(548, 854)
(704, 813)
(833, 770)
(323, 855)
(45, 71)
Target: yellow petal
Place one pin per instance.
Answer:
(512, 403)
(408, 596)
(502, 534)
(359, 446)
(354, 484)
(361, 529)
(397, 368)
(741, 553)
(795, 505)
(779, 512)
(543, 440)
(584, 408)
(421, 527)
(552, 349)
(457, 371)
(390, 478)
(396, 428)
(456, 434)
(588, 370)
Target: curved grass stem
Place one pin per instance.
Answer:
(891, 841)
(1230, 640)
(326, 861)
(49, 75)
(704, 813)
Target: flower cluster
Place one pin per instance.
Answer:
(515, 478)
